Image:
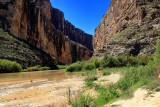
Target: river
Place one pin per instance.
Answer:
(42, 88)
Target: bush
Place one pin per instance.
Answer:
(120, 61)
(157, 53)
(106, 95)
(89, 66)
(7, 66)
(106, 73)
(97, 63)
(75, 67)
(62, 66)
(89, 80)
(37, 68)
(109, 61)
(84, 101)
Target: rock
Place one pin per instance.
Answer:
(27, 55)
(128, 27)
(44, 27)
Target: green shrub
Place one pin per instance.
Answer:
(89, 66)
(97, 63)
(157, 53)
(75, 67)
(45, 68)
(106, 95)
(157, 89)
(144, 59)
(84, 101)
(106, 73)
(62, 66)
(7, 66)
(37, 68)
(89, 80)
(109, 61)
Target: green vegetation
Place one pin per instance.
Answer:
(7, 66)
(17, 50)
(36, 68)
(157, 90)
(75, 67)
(137, 72)
(84, 101)
(12, 48)
(62, 66)
(109, 62)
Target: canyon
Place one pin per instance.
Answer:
(130, 27)
(41, 26)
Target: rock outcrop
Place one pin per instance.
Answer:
(13, 49)
(128, 27)
(40, 25)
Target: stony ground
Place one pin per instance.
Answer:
(40, 92)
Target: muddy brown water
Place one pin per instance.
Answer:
(38, 89)
(50, 75)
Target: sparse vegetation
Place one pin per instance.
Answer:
(7, 66)
(143, 74)
(36, 68)
(137, 71)
(84, 101)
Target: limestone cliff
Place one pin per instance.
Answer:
(128, 27)
(39, 24)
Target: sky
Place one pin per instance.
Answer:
(84, 14)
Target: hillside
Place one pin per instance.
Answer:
(129, 27)
(39, 24)
(27, 55)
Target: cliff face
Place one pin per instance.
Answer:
(13, 49)
(128, 27)
(37, 23)
(69, 30)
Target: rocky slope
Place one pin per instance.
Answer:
(39, 24)
(13, 49)
(128, 27)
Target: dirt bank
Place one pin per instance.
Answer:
(142, 98)
(40, 92)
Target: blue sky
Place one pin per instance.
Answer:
(84, 14)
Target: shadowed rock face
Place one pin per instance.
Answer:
(13, 49)
(128, 27)
(37, 23)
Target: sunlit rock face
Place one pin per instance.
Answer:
(128, 27)
(39, 24)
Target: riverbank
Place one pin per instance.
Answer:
(40, 92)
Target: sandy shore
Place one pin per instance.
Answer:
(142, 98)
(39, 92)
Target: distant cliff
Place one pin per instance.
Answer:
(128, 27)
(40, 25)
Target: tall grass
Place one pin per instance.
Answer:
(7, 66)
(84, 101)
